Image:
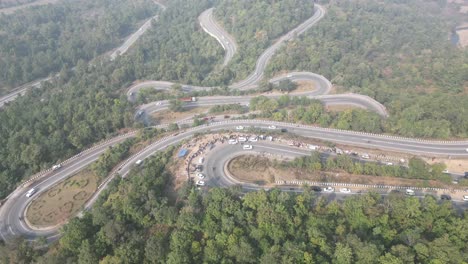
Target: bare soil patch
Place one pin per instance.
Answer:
(254, 169)
(340, 108)
(463, 35)
(63, 201)
(168, 116)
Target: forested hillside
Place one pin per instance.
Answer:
(397, 52)
(135, 222)
(35, 42)
(86, 105)
(256, 24)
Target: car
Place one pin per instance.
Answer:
(233, 141)
(30, 192)
(466, 150)
(138, 162)
(445, 197)
(466, 175)
(445, 171)
(201, 160)
(158, 103)
(284, 130)
(345, 190)
(272, 127)
(465, 197)
(409, 192)
(200, 183)
(247, 147)
(313, 147)
(239, 127)
(329, 189)
(316, 188)
(140, 113)
(253, 139)
(200, 175)
(365, 156)
(269, 138)
(199, 168)
(56, 167)
(242, 139)
(389, 164)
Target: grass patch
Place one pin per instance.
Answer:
(62, 201)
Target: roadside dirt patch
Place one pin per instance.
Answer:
(251, 168)
(340, 108)
(254, 169)
(63, 201)
(168, 116)
(463, 35)
(453, 165)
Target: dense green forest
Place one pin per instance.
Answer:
(134, 221)
(256, 24)
(86, 104)
(397, 52)
(417, 168)
(36, 42)
(310, 111)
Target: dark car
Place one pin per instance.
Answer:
(445, 197)
(284, 130)
(466, 175)
(316, 188)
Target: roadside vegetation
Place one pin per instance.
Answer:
(310, 111)
(401, 56)
(36, 42)
(134, 222)
(255, 25)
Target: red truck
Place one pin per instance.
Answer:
(188, 99)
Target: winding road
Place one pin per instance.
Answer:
(12, 212)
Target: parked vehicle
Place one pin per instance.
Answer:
(329, 189)
(410, 192)
(138, 162)
(365, 156)
(316, 188)
(239, 127)
(445, 197)
(247, 147)
(200, 183)
(56, 167)
(345, 190)
(201, 160)
(242, 139)
(272, 127)
(465, 198)
(233, 141)
(253, 139)
(200, 175)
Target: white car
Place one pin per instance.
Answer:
(56, 167)
(253, 139)
(465, 197)
(239, 127)
(200, 175)
(271, 127)
(409, 192)
(233, 141)
(365, 156)
(200, 161)
(30, 192)
(247, 147)
(200, 183)
(329, 189)
(158, 103)
(466, 150)
(138, 162)
(242, 139)
(389, 164)
(345, 190)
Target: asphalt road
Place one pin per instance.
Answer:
(210, 26)
(12, 211)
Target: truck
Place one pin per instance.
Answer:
(188, 99)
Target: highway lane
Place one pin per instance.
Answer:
(210, 26)
(132, 39)
(21, 90)
(216, 174)
(14, 207)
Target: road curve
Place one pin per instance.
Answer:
(216, 31)
(21, 90)
(13, 209)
